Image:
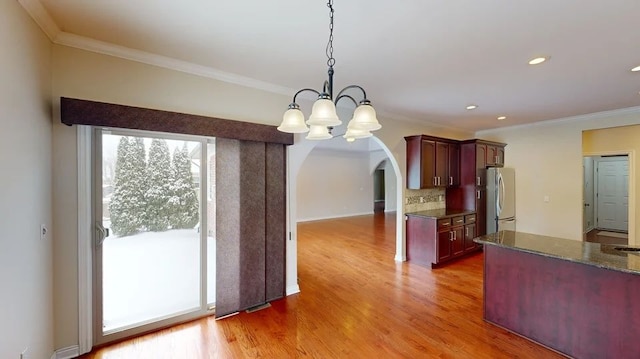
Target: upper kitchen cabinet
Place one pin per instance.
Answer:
(432, 162)
(495, 155)
(476, 156)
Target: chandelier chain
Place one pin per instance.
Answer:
(330, 60)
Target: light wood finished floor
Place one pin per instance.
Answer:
(355, 302)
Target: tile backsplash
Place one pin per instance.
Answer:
(424, 199)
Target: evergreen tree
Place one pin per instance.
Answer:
(138, 180)
(184, 200)
(158, 189)
(127, 203)
(122, 205)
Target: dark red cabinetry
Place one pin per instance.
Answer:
(432, 162)
(432, 241)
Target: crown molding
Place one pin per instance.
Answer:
(565, 120)
(41, 16)
(88, 44)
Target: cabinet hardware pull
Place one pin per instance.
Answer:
(478, 194)
(450, 181)
(438, 181)
(466, 231)
(451, 236)
(435, 181)
(497, 161)
(478, 180)
(445, 224)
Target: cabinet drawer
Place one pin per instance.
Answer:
(444, 223)
(470, 218)
(458, 221)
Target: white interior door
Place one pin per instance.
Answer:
(613, 193)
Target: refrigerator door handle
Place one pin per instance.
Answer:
(500, 194)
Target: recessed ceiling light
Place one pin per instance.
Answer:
(636, 69)
(472, 107)
(502, 118)
(538, 60)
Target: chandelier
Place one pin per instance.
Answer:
(323, 113)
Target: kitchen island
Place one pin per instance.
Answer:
(581, 299)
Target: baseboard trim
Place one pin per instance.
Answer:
(293, 289)
(66, 353)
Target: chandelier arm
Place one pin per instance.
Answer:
(346, 96)
(364, 93)
(303, 90)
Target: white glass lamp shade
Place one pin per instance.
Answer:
(324, 113)
(318, 133)
(293, 122)
(354, 134)
(364, 118)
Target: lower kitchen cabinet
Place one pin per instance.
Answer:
(432, 240)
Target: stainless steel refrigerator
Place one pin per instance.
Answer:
(501, 199)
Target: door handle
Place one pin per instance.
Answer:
(102, 233)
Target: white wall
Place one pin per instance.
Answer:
(26, 305)
(334, 184)
(548, 161)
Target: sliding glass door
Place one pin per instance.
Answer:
(154, 248)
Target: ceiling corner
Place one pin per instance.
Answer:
(41, 16)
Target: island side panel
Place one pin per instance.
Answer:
(577, 309)
(421, 241)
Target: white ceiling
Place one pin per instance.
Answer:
(418, 59)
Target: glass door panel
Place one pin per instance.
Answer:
(149, 267)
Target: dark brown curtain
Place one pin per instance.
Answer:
(250, 224)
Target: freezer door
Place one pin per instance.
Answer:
(506, 193)
(507, 224)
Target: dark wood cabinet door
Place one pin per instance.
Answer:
(469, 235)
(444, 246)
(481, 165)
(500, 156)
(492, 155)
(457, 245)
(441, 163)
(481, 211)
(428, 164)
(453, 165)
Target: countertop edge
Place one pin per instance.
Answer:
(549, 255)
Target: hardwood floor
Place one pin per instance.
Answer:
(593, 236)
(355, 302)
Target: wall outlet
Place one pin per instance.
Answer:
(43, 232)
(24, 354)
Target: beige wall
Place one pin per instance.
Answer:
(548, 162)
(625, 139)
(334, 183)
(86, 75)
(26, 306)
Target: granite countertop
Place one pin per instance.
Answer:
(595, 254)
(440, 213)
